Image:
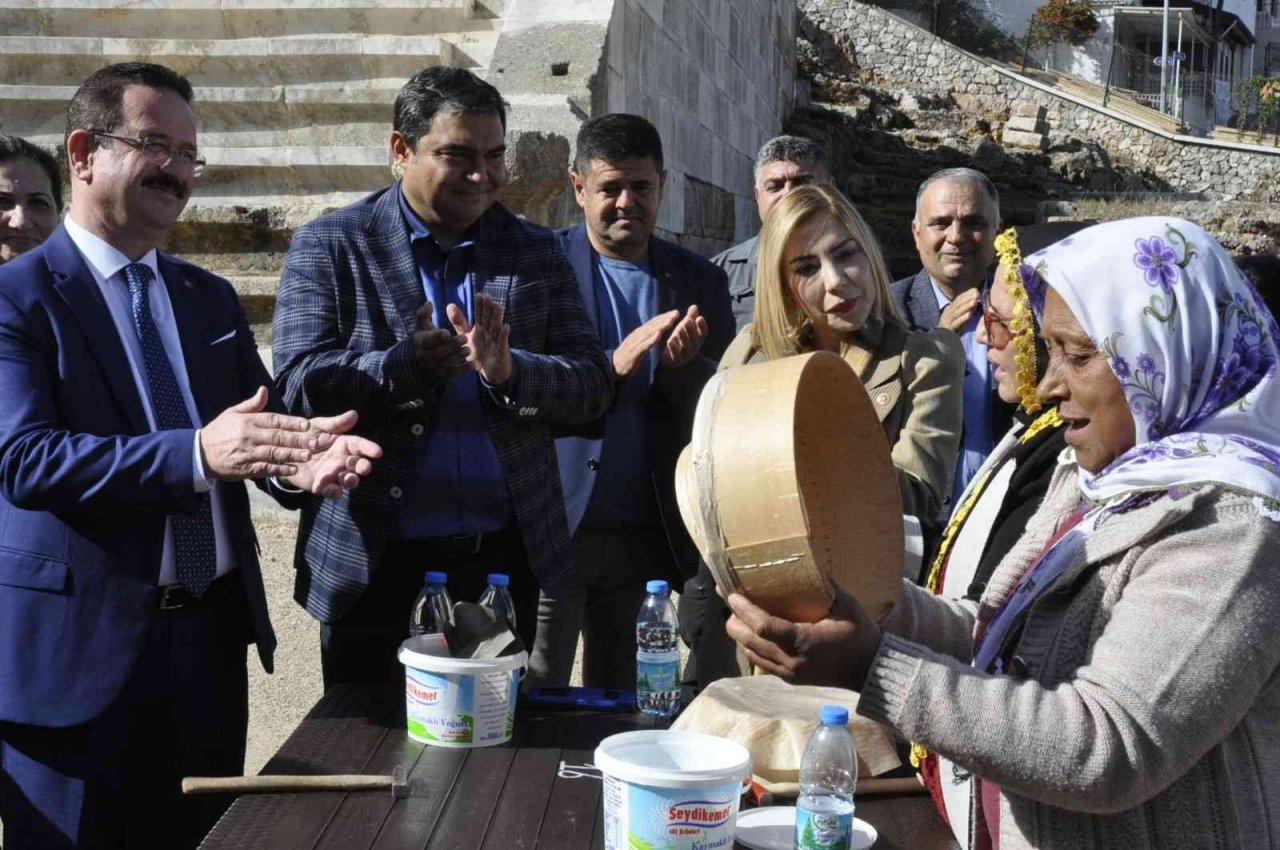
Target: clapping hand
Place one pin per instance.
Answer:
(344, 460)
(488, 341)
(685, 341)
(628, 356)
(837, 650)
(441, 353)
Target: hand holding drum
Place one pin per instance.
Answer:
(788, 486)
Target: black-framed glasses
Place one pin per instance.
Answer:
(158, 150)
(997, 326)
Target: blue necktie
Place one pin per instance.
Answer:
(194, 549)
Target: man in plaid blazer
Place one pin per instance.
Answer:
(457, 331)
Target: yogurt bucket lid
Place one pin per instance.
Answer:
(410, 657)
(665, 758)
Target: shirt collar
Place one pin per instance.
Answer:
(105, 259)
(418, 229)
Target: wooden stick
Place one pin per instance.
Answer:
(284, 784)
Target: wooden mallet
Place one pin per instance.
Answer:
(269, 784)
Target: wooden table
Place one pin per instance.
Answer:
(523, 795)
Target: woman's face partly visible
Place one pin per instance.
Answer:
(1089, 396)
(829, 275)
(999, 342)
(28, 212)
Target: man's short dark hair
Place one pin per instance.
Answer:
(615, 138)
(15, 148)
(442, 89)
(99, 102)
(795, 149)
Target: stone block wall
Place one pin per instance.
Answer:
(900, 55)
(716, 77)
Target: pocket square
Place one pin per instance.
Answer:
(226, 336)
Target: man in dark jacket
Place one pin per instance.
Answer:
(664, 319)
(456, 330)
(957, 218)
(783, 163)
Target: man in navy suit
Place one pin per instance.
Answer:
(134, 406)
(664, 318)
(456, 330)
(957, 218)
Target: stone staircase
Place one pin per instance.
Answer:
(293, 99)
(1117, 100)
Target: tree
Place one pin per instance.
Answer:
(1063, 22)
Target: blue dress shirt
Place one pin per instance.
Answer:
(460, 487)
(976, 440)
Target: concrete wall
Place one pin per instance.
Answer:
(716, 77)
(904, 56)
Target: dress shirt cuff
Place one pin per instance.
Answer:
(284, 486)
(504, 393)
(201, 481)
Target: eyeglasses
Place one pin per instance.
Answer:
(997, 327)
(159, 151)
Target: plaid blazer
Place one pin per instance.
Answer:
(342, 339)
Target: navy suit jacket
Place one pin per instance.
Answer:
(343, 338)
(684, 279)
(85, 485)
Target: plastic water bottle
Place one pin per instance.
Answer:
(497, 598)
(432, 610)
(657, 653)
(828, 778)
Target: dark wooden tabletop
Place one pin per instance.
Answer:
(527, 794)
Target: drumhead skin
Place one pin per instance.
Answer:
(788, 485)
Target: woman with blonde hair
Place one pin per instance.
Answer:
(821, 284)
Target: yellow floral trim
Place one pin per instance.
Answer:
(1020, 324)
(1046, 420)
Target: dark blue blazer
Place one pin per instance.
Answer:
(684, 279)
(85, 486)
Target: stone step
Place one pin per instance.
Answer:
(211, 19)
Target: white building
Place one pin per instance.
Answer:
(1204, 64)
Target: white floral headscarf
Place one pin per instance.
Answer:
(1191, 342)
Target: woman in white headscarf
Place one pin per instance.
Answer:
(1118, 684)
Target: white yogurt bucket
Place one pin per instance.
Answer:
(671, 790)
(459, 702)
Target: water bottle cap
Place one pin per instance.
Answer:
(657, 586)
(499, 579)
(834, 715)
(434, 577)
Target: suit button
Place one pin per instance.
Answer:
(593, 464)
(882, 398)
(416, 429)
(396, 492)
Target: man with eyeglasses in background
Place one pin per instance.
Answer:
(135, 407)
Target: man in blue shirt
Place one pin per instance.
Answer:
(663, 317)
(957, 218)
(456, 330)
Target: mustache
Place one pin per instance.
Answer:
(167, 182)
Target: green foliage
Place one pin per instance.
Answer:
(1265, 93)
(1064, 22)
